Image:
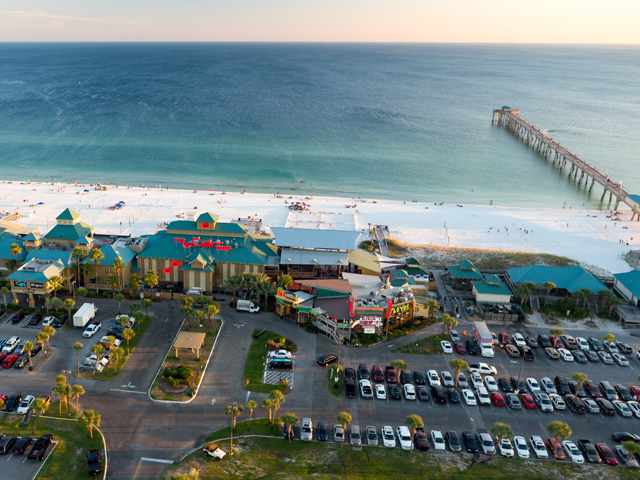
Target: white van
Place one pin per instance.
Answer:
(11, 345)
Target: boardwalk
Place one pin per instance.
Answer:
(551, 150)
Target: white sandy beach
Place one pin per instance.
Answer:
(583, 235)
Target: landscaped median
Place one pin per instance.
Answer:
(425, 346)
(184, 366)
(332, 372)
(256, 360)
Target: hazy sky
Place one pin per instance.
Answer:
(509, 21)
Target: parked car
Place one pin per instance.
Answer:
(349, 374)
(25, 405)
(606, 407)
(459, 347)
(438, 394)
(404, 436)
(595, 344)
(472, 347)
(276, 354)
(504, 338)
(447, 379)
(591, 405)
(372, 436)
(13, 402)
(421, 441)
(513, 401)
(606, 454)
(482, 368)
(485, 442)
(506, 448)
(552, 353)
(620, 359)
(322, 432)
(394, 392)
(405, 376)
(544, 341)
(388, 438)
(608, 391)
(354, 435)
(363, 372)
(94, 460)
(9, 360)
(469, 397)
(572, 451)
(512, 350)
(40, 447)
(446, 346)
(306, 429)
(419, 377)
(556, 449)
(381, 391)
(409, 391)
(21, 445)
(462, 381)
(505, 385)
(350, 388)
(437, 440)
(377, 373)
(327, 359)
(453, 440)
(622, 409)
(531, 342)
(537, 445)
(579, 356)
(625, 437)
(470, 442)
(338, 433)
(519, 340)
(390, 373)
(575, 404)
(423, 393)
(365, 389)
(605, 357)
(592, 389)
(623, 392)
(6, 443)
(521, 448)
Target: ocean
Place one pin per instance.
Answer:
(397, 121)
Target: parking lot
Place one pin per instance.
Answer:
(18, 467)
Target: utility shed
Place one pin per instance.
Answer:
(190, 340)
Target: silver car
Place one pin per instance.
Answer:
(306, 429)
(605, 358)
(620, 359)
(462, 381)
(354, 435)
(372, 436)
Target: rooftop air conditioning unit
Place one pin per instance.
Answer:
(235, 246)
(227, 242)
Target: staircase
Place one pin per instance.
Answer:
(535, 302)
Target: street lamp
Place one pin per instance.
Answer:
(520, 374)
(73, 289)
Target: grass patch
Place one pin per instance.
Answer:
(54, 409)
(256, 360)
(331, 381)
(425, 346)
(259, 426)
(67, 462)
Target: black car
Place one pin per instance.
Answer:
(582, 393)
(453, 440)
(606, 407)
(527, 353)
(505, 385)
(280, 365)
(405, 376)
(472, 347)
(625, 437)
(521, 387)
(350, 374)
(323, 434)
(36, 350)
(40, 448)
(419, 377)
(7, 443)
(363, 371)
(115, 333)
(36, 319)
(94, 467)
(624, 348)
(325, 360)
(545, 341)
(595, 344)
(579, 356)
(18, 317)
(575, 404)
(591, 355)
(21, 362)
(470, 442)
(395, 393)
(531, 341)
(59, 321)
(562, 386)
(350, 388)
(12, 402)
(423, 393)
(21, 445)
(623, 392)
(438, 393)
(589, 451)
(454, 396)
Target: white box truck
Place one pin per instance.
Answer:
(84, 314)
(484, 339)
(247, 306)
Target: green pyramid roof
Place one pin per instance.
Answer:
(68, 214)
(208, 217)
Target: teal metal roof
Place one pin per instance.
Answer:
(402, 281)
(134, 265)
(32, 237)
(69, 232)
(83, 241)
(68, 214)
(62, 256)
(465, 269)
(111, 252)
(569, 278)
(634, 197)
(401, 273)
(208, 217)
(220, 227)
(43, 276)
(631, 281)
(485, 288)
(413, 261)
(8, 239)
(418, 270)
(207, 268)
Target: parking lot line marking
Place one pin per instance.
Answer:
(156, 460)
(9, 457)
(127, 391)
(247, 399)
(137, 469)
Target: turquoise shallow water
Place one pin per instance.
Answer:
(389, 121)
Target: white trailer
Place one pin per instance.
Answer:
(86, 312)
(247, 306)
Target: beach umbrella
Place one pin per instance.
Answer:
(41, 203)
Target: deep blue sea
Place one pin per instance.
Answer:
(374, 120)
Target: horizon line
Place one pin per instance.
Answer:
(337, 42)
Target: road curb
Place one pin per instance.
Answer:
(195, 394)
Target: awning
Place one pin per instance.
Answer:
(313, 257)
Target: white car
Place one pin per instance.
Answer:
(116, 342)
(533, 385)
(432, 377)
(91, 330)
(547, 385)
(519, 340)
(195, 291)
(491, 384)
(469, 397)
(565, 354)
(381, 391)
(127, 317)
(438, 440)
(388, 438)
(591, 405)
(483, 368)
(582, 343)
(447, 379)
(476, 380)
(505, 447)
(538, 446)
(365, 388)
(572, 452)
(483, 396)
(634, 407)
(280, 354)
(409, 391)
(520, 445)
(622, 409)
(48, 321)
(404, 435)
(446, 346)
(558, 401)
(25, 405)
(338, 433)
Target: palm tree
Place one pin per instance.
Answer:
(431, 306)
(458, 365)
(632, 449)
(39, 408)
(232, 285)
(78, 253)
(15, 250)
(85, 269)
(267, 289)
(578, 295)
(414, 422)
(50, 331)
(399, 364)
(344, 419)
(113, 280)
(82, 292)
(55, 283)
(580, 378)
(448, 322)
(500, 430)
(285, 281)
(613, 302)
(118, 266)
(212, 310)
(28, 346)
(151, 278)
(97, 350)
(556, 332)
(41, 338)
(268, 404)
(233, 410)
(548, 286)
(12, 265)
(609, 337)
(522, 291)
(67, 392)
(59, 391)
(187, 308)
(96, 256)
(118, 353)
(289, 420)
(128, 334)
(77, 347)
(147, 302)
(69, 304)
(604, 295)
(200, 316)
(251, 405)
(139, 318)
(4, 291)
(278, 400)
(77, 390)
(560, 431)
(91, 419)
(531, 287)
(586, 292)
(134, 284)
(119, 297)
(47, 304)
(56, 303)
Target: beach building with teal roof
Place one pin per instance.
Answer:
(568, 279)
(68, 229)
(628, 285)
(9, 262)
(463, 274)
(491, 290)
(121, 249)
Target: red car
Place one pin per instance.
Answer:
(4, 398)
(392, 376)
(551, 444)
(3, 355)
(377, 374)
(558, 342)
(592, 389)
(606, 454)
(528, 402)
(504, 338)
(10, 360)
(459, 346)
(635, 392)
(497, 399)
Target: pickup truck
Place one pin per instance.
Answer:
(214, 451)
(350, 388)
(390, 373)
(483, 368)
(365, 389)
(589, 451)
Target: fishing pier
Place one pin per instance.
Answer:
(552, 151)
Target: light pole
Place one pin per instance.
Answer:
(520, 374)
(73, 289)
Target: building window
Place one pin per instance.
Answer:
(108, 270)
(92, 280)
